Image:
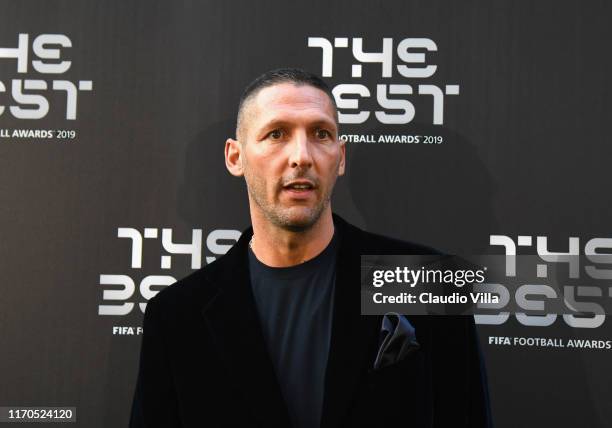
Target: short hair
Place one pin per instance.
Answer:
(296, 76)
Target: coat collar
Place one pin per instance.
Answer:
(234, 323)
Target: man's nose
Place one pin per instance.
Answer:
(300, 151)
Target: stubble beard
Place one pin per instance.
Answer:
(282, 216)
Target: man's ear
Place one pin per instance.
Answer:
(341, 167)
(233, 157)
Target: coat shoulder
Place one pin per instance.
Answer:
(200, 288)
(191, 292)
(374, 243)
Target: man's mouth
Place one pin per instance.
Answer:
(299, 186)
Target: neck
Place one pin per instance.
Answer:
(278, 247)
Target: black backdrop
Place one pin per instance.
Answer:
(130, 166)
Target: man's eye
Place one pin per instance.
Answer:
(276, 134)
(322, 134)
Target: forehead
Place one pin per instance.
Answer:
(292, 103)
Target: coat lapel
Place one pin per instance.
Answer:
(234, 323)
(354, 340)
(354, 337)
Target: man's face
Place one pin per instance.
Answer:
(290, 154)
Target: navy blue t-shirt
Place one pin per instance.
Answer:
(295, 306)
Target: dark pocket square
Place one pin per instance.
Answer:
(397, 340)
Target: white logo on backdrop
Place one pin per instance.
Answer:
(405, 59)
(581, 299)
(218, 242)
(31, 93)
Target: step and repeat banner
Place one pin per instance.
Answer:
(475, 127)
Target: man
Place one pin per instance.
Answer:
(270, 335)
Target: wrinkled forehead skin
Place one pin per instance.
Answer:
(288, 102)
